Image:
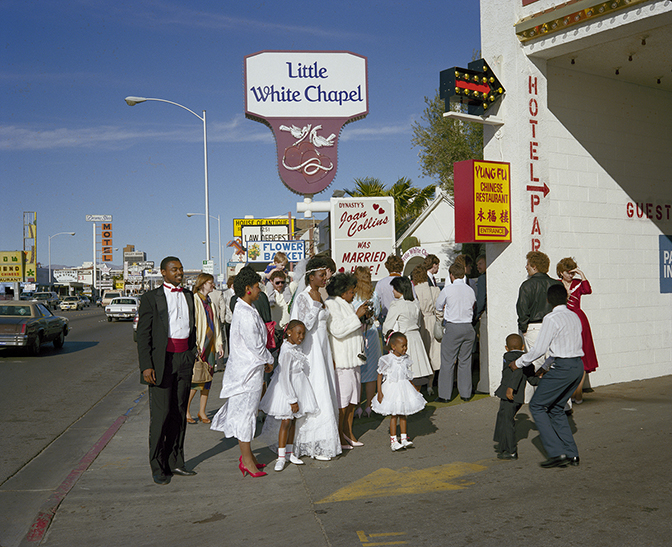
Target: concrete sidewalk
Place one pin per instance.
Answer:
(448, 490)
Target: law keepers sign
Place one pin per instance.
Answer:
(306, 97)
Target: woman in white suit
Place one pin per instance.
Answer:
(345, 337)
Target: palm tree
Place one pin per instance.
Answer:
(409, 201)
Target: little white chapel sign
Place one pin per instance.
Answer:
(306, 97)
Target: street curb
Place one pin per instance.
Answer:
(47, 512)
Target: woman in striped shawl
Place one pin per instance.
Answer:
(208, 339)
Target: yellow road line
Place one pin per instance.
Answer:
(366, 543)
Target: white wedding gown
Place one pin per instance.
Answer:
(317, 434)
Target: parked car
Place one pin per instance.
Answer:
(124, 307)
(108, 296)
(70, 303)
(30, 324)
(47, 298)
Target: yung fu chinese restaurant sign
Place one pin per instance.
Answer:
(482, 201)
(306, 97)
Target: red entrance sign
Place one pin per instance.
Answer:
(482, 201)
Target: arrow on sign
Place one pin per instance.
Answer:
(494, 231)
(545, 189)
(475, 86)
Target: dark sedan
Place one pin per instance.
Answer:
(30, 324)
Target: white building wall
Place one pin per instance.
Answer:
(598, 144)
(604, 155)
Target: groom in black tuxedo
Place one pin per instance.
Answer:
(166, 352)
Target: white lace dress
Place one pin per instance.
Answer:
(289, 385)
(317, 434)
(400, 398)
(244, 374)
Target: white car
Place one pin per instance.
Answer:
(108, 296)
(124, 307)
(70, 303)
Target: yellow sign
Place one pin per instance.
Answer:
(492, 201)
(238, 224)
(30, 268)
(11, 266)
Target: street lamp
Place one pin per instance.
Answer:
(219, 231)
(132, 101)
(58, 234)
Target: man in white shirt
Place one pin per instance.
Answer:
(456, 301)
(560, 335)
(166, 354)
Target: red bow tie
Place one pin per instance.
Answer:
(173, 289)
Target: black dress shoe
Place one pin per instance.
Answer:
(507, 456)
(466, 399)
(556, 461)
(440, 400)
(160, 478)
(183, 472)
(574, 461)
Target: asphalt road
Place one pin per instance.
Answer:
(43, 400)
(42, 396)
(450, 490)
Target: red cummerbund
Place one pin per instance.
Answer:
(177, 345)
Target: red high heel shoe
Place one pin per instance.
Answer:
(244, 470)
(259, 465)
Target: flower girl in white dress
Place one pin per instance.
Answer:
(397, 397)
(290, 394)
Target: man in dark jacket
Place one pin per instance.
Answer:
(166, 353)
(532, 305)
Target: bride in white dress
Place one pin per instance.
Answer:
(317, 434)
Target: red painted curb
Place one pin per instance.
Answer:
(48, 510)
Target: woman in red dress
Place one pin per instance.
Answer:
(567, 270)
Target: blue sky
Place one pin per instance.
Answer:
(70, 146)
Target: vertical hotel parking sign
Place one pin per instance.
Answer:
(482, 201)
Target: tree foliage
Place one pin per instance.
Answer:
(444, 141)
(409, 201)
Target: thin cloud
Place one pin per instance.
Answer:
(167, 14)
(15, 137)
(354, 133)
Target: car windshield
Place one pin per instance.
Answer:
(15, 311)
(42, 296)
(123, 301)
(71, 299)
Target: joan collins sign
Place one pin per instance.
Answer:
(306, 97)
